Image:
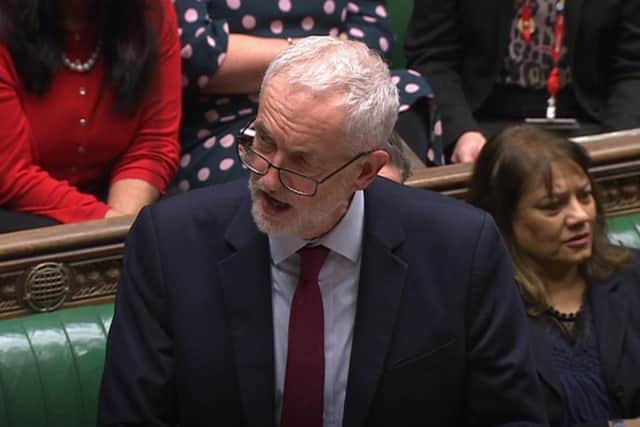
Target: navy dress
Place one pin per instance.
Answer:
(210, 122)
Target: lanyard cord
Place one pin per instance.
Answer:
(527, 26)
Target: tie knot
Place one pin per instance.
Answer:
(311, 260)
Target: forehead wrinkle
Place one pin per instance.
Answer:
(280, 116)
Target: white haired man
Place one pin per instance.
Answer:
(322, 295)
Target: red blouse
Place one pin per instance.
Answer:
(56, 148)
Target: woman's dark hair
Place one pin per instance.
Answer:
(503, 169)
(33, 33)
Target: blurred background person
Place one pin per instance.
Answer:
(492, 64)
(226, 47)
(581, 291)
(398, 168)
(89, 108)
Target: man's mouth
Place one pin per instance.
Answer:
(272, 205)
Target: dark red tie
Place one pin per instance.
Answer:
(302, 403)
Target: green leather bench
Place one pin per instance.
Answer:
(50, 364)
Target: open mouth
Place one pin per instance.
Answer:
(272, 205)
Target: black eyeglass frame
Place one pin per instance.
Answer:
(246, 140)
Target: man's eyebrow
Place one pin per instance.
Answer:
(264, 133)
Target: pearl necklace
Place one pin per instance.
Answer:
(83, 67)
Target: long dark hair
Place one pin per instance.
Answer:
(33, 33)
(502, 170)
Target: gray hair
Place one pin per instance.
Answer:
(322, 63)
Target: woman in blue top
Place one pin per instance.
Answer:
(226, 47)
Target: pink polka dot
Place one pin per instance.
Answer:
(403, 108)
(225, 119)
(381, 11)
(203, 133)
(187, 51)
(284, 5)
(437, 128)
(334, 32)
(191, 15)
(211, 116)
(227, 140)
(226, 164)
(210, 142)
(248, 22)
(384, 44)
(353, 8)
(225, 27)
(369, 19)
(356, 32)
(411, 88)
(395, 80)
(223, 101)
(415, 73)
(203, 81)
(343, 15)
(185, 81)
(184, 186)
(245, 111)
(329, 7)
(179, 31)
(185, 160)
(307, 23)
(211, 41)
(203, 174)
(430, 154)
(199, 31)
(233, 4)
(276, 27)
(221, 58)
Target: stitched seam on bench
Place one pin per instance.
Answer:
(75, 367)
(4, 394)
(39, 371)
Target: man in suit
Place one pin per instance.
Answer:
(322, 295)
(489, 69)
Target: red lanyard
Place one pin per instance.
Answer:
(527, 27)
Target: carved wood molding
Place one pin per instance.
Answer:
(91, 252)
(616, 168)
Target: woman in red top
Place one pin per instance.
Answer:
(89, 108)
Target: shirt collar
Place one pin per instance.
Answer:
(345, 238)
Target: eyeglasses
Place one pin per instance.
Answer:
(293, 181)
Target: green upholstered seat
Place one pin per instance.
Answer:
(399, 13)
(50, 367)
(625, 230)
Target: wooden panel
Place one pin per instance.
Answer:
(89, 255)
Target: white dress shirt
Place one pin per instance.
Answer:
(338, 282)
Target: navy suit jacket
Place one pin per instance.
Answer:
(440, 334)
(615, 304)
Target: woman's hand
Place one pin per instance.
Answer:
(127, 196)
(243, 68)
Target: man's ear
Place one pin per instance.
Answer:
(370, 167)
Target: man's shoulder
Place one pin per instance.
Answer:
(388, 198)
(202, 206)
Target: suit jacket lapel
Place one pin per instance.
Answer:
(542, 354)
(505, 16)
(382, 280)
(246, 287)
(611, 316)
(573, 10)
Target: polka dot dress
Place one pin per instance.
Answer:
(210, 122)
